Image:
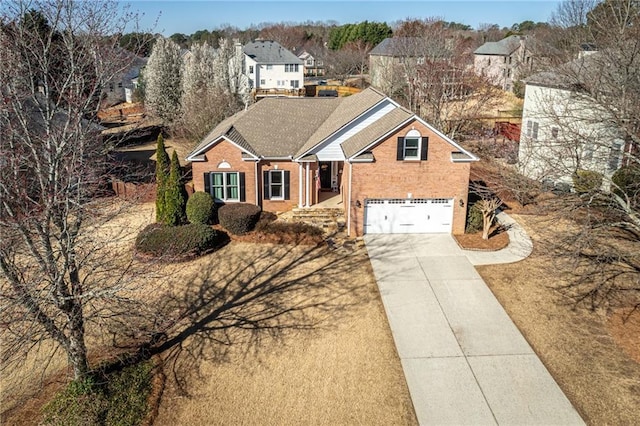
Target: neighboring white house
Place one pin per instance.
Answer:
(503, 61)
(272, 68)
(121, 88)
(564, 130)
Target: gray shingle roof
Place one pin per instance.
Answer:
(504, 47)
(410, 47)
(375, 131)
(270, 52)
(350, 108)
(572, 74)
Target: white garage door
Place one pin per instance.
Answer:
(408, 216)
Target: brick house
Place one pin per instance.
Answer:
(391, 171)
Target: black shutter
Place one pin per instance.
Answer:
(400, 152)
(425, 148)
(265, 185)
(207, 183)
(287, 196)
(243, 197)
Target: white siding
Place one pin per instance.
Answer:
(563, 132)
(272, 74)
(331, 150)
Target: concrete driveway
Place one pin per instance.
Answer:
(464, 360)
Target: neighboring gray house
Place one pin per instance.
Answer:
(272, 69)
(564, 129)
(502, 62)
(394, 57)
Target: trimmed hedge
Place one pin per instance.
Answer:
(239, 218)
(586, 181)
(475, 221)
(627, 179)
(159, 240)
(200, 208)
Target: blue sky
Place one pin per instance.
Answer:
(189, 16)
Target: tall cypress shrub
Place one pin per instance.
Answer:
(174, 200)
(162, 163)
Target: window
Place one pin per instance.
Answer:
(262, 82)
(250, 69)
(120, 85)
(295, 84)
(614, 156)
(412, 146)
(554, 132)
(269, 67)
(291, 68)
(309, 62)
(111, 87)
(281, 83)
(420, 60)
(276, 184)
(532, 129)
(225, 186)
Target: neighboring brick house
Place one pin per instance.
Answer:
(504, 61)
(272, 68)
(393, 171)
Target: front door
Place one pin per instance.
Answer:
(325, 174)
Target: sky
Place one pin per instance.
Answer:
(189, 16)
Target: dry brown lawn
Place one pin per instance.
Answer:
(343, 369)
(590, 354)
(325, 355)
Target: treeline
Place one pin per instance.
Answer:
(317, 36)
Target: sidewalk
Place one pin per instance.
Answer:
(464, 360)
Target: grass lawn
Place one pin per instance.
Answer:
(594, 356)
(324, 354)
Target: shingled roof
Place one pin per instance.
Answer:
(293, 127)
(504, 47)
(270, 52)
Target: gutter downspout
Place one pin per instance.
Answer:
(307, 184)
(349, 200)
(299, 185)
(256, 179)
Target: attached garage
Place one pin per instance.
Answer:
(408, 216)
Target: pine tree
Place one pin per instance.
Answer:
(162, 162)
(174, 200)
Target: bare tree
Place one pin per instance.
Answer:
(582, 121)
(432, 76)
(55, 276)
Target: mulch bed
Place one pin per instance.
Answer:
(498, 239)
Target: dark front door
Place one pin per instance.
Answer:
(325, 175)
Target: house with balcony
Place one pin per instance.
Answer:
(273, 70)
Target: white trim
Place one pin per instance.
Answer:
(256, 184)
(299, 185)
(430, 127)
(307, 182)
(385, 99)
(208, 146)
(349, 200)
(281, 196)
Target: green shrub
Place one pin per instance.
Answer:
(627, 179)
(586, 181)
(474, 219)
(239, 218)
(120, 398)
(159, 240)
(200, 208)
(291, 228)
